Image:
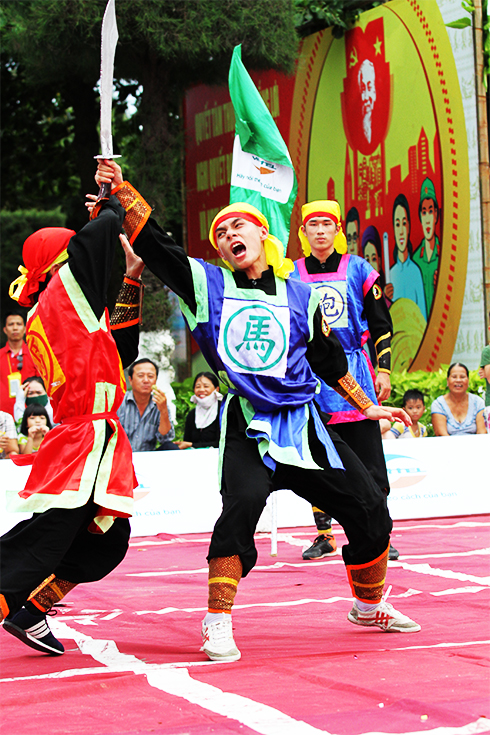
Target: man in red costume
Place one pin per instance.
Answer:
(80, 489)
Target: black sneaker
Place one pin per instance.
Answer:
(393, 554)
(323, 545)
(34, 631)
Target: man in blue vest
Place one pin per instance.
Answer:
(264, 335)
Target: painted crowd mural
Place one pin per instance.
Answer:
(374, 120)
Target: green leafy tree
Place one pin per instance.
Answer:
(16, 226)
(51, 63)
(164, 46)
(314, 15)
(465, 22)
(36, 136)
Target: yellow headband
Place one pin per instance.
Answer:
(323, 208)
(274, 249)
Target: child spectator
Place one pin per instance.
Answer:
(34, 427)
(414, 405)
(8, 435)
(31, 391)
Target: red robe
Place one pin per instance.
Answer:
(77, 357)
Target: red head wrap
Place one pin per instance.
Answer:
(43, 249)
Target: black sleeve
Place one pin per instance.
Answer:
(190, 425)
(91, 254)
(126, 340)
(379, 324)
(167, 261)
(325, 354)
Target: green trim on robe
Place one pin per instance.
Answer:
(80, 303)
(200, 284)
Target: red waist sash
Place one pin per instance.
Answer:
(91, 417)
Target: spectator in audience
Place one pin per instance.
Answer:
(414, 405)
(458, 412)
(32, 391)
(484, 372)
(8, 435)
(202, 423)
(15, 361)
(144, 412)
(34, 427)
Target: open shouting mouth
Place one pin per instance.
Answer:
(238, 248)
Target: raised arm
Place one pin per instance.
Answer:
(91, 254)
(126, 315)
(158, 250)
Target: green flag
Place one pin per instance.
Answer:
(262, 172)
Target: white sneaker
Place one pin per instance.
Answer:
(385, 617)
(218, 642)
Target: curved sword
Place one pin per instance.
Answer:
(109, 36)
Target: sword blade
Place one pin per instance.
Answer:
(107, 53)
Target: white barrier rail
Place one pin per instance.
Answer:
(178, 491)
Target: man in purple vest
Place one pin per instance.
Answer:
(353, 306)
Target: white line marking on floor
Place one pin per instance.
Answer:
(334, 559)
(178, 682)
(284, 603)
(462, 644)
(446, 573)
(459, 591)
(174, 679)
(472, 728)
(299, 542)
(459, 524)
(260, 568)
(448, 554)
(95, 670)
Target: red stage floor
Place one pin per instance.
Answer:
(132, 661)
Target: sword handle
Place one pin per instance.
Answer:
(104, 192)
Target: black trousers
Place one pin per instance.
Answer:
(351, 496)
(364, 438)
(58, 542)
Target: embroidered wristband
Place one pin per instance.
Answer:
(137, 209)
(129, 304)
(351, 391)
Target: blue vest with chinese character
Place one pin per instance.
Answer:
(256, 344)
(342, 303)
